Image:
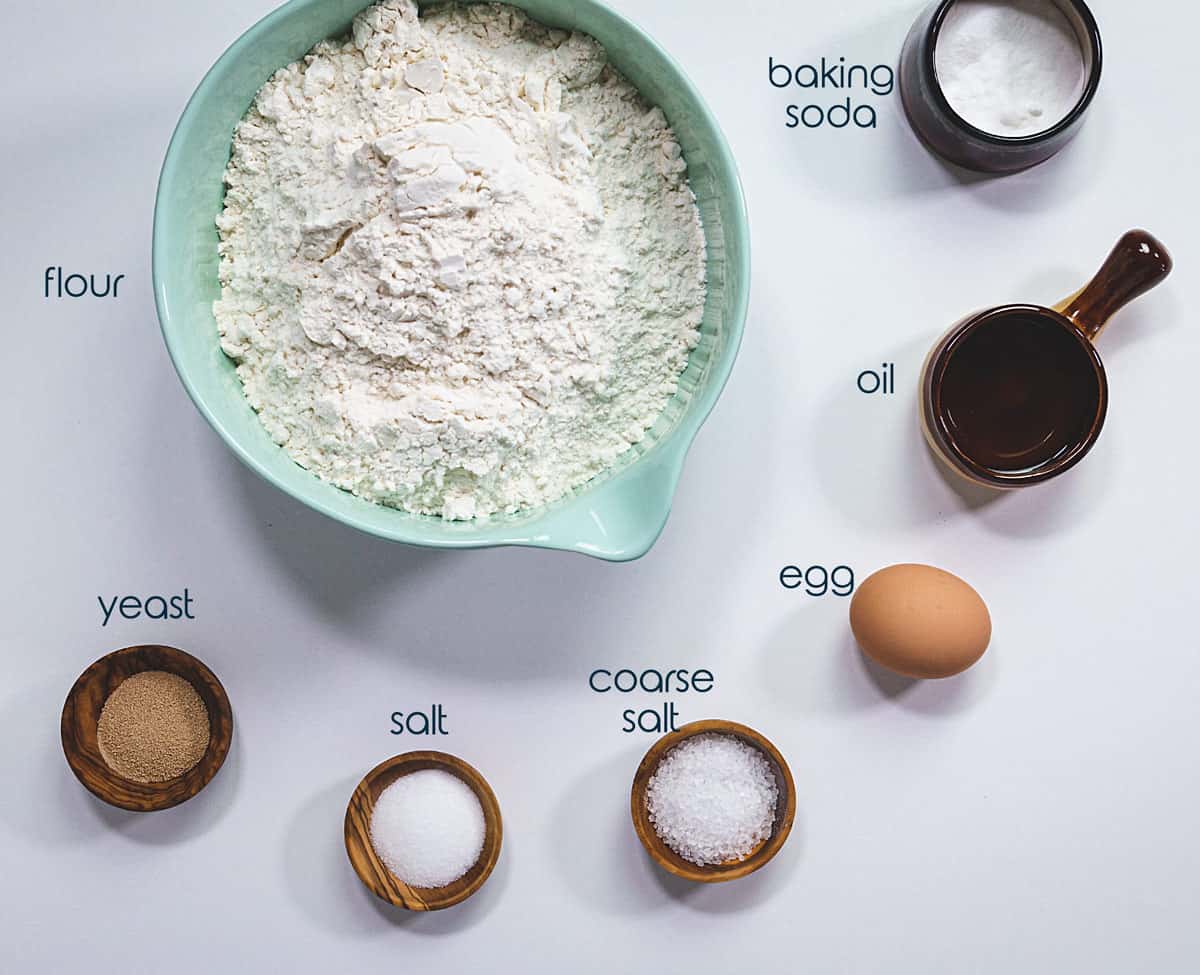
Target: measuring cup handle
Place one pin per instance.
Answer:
(1138, 263)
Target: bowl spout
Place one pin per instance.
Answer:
(621, 520)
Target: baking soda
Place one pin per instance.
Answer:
(428, 828)
(712, 799)
(1012, 69)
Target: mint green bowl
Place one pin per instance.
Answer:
(617, 516)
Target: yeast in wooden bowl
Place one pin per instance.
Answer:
(371, 869)
(667, 858)
(81, 719)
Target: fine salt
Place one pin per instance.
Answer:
(428, 828)
(1012, 68)
(712, 799)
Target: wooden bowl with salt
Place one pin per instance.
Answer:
(672, 862)
(81, 717)
(372, 871)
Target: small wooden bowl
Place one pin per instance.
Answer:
(668, 859)
(81, 713)
(371, 870)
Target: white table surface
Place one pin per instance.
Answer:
(1037, 815)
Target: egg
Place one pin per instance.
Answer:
(920, 621)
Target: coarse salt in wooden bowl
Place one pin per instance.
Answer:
(668, 859)
(81, 716)
(371, 870)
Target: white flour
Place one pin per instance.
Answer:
(1010, 67)
(462, 268)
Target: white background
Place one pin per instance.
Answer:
(1037, 815)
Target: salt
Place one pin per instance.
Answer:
(1012, 68)
(712, 799)
(428, 828)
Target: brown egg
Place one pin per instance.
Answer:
(920, 621)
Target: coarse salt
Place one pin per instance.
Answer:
(428, 828)
(712, 799)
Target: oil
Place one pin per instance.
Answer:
(1019, 393)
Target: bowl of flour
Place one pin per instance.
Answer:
(457, 275)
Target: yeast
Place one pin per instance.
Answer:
(147, 607)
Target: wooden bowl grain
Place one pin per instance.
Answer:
(668, 859)
(81, 714)
(377, 878)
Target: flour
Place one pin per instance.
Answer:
(461, 265)
(1012, 68)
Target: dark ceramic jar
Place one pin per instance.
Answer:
(949, 135)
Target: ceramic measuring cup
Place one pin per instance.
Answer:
(1016, 395)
